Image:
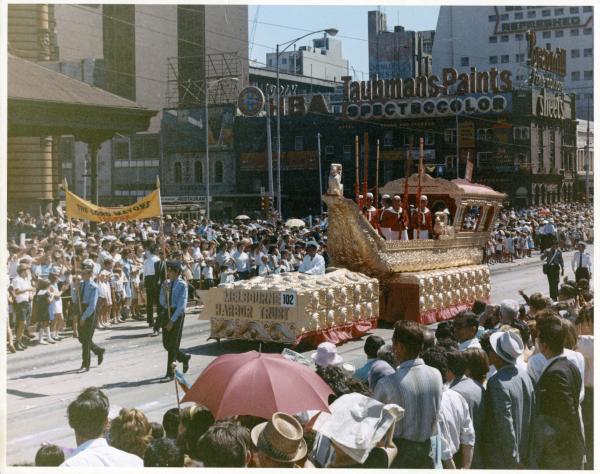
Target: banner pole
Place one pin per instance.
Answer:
(356, 169)
(66, 188)
(164, 248)
(376, 200)
(174, 367)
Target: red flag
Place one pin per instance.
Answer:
(469, 168)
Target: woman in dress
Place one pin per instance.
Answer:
(41, 313)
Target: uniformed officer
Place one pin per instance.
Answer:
(173, 298)
(370, 212)
(87, 322)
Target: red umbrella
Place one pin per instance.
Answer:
(258, 384)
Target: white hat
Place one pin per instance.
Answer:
(423, 198)
(312, 243)
(327, 355)
(385, 196)
(507, 345)
(370, 195)
(509, 308)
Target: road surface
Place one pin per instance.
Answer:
(41, 381)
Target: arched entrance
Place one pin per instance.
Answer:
(537, 195)
(521, 197)
(543, 194)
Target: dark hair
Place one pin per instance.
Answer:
(436, 358)
(164, 452)
(196, 420)
(49, 455)
(386, 353)
(447, 344)
(552, 333)
(445, 330)
(170, 422)
(456, 362)
(484, 342)
(88, 413)
(476, 362)
(467, 318)
(157, 430)
(523, 330)
(479, 306)
(340, 383)
(372, 345)
(546, 314)
(223, 445)
(538, 302)
(410, 335)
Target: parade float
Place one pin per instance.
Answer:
(372, 278)
(294, 307)
(423, 280)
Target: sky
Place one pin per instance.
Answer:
(282, 23)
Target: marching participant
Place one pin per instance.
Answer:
(400, 225)
(387, 217)
(370, 212)
(173, 295)
(421, 221)
(87, 321)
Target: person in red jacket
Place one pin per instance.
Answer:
(370, 212)
(400, 225)
(387, 217)
(421, 221)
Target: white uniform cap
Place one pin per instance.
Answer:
(370, 195)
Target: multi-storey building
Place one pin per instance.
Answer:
(495, 36)
(323, 60)
(399, 53)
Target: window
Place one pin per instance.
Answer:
(587, 53)
(546, 12)
(587, 9)
(299, 143)
(329, 150)
(121, 150)
(575, 32)
(531, 14)
(518, 15)
(492, 18)
(546, 34)
(520, 77)
(388, 139)
(520, 57)
(283, 60)
(428, 138)
(574, 53)
(559, 11)
(493, 39)
(485, 159)
(519, 36)
(270, 62)
(504, 58)
(198, 172)
(575, 76)
(587, 31)
(485, 134)
(588, 75)
(145, 146)
(504, 17)
(574, 10)
(219, 172)
(347, 152)
(559, 33)
(450, 162)
(178, 172)
(450, 135)
(504, 39)
(521, 133)
(493, 59)
(464, 61)
(548, 46)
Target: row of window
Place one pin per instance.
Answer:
(587, 75)
(587, 53)
(134, 192)
(198, 172)
(545, 35)
(136, 163)
(519, 15)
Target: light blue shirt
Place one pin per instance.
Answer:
(362, 374)
(89, 297)
(178, 298)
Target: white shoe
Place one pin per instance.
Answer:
(51, 341)
(42, 342)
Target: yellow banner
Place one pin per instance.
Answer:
(144, 208)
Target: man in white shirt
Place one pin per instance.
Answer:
(466, 326)
(313, 263)
(242, 262)
(581, 263)
(88, 416)
(151, 284)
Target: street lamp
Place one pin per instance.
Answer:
(206, 86)
(287, 44)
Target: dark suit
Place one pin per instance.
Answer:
(558, 441)
(160, 276)
(555, 265)
(509, 407)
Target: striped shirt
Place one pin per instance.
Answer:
(417, 388)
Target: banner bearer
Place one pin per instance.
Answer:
(87, 322)
(173, 298)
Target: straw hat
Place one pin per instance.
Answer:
(281, 439)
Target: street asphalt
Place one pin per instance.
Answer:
(41, 381)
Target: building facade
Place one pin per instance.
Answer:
(323, 60)
(494, 36)
(399, 53)
(585, 158)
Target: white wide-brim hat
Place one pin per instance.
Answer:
(327, 355)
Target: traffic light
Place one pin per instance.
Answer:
(265, 203)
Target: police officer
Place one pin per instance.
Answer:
(88, 291)
(173, 298)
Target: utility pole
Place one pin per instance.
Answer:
(320, 172)
(206, 139)
(269, 150)
(587, 155)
